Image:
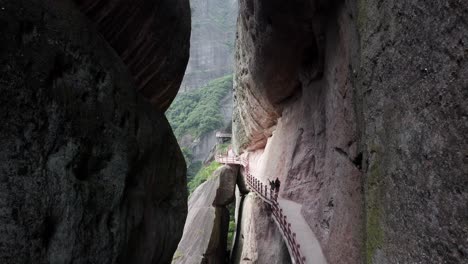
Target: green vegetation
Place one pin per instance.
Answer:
(375, 233)
(188, 155)
(222, 148)
(177, 255)
(362, 15)
(203, 175)
(193, 169)
(232, 225)
(197, 112)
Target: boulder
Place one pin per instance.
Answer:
(90, 172)
(206, 228)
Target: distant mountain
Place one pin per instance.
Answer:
(212, 42)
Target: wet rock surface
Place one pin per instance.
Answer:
(89, 171)
(206, 228)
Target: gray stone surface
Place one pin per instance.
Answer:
(212, 42)
(413, 82)
(375, 149)
(313, 148)
(89, 171)
(206, 228)
(276, 40)
(259, 240)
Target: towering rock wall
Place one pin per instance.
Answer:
(212, 42)
(90, 172)
(373, 144)
(413, 83)
(258, 239)
(301, 116)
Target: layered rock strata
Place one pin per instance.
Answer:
(151, 37)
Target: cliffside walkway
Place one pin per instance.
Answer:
(302, 244)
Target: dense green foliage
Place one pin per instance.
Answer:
(197, 112)
(232, 225)
(193, 169)
(203, 175)
(222, 148)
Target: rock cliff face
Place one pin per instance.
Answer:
(151, 37)
(205, 232)
(203, 146)
(313, 148)
(413, 81)
(258, 239)
(212, 42)
(278, 43)
(359, 109)
(90, 172)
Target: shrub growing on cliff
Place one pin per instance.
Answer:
(203, 175)
(197, 112)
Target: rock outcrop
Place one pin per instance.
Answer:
(90, 172)
(258, 239)
(152, 38)
(372, 144)
(212, 42)
(205, 232)
(275, 41)
(312, 147)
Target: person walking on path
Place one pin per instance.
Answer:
(272, 185)
(277, 185)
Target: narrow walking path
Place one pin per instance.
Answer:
(302, 243)
(310, 247)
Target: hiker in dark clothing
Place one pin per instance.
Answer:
(272, 185)
(277, 185)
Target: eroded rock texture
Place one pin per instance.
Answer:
(314, 149)
(374, 148)
(89, 171)
(152, 38)
(414, 87)
(275, 39)
(205, 232)
(258, 239)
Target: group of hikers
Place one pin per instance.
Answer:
(274, 185)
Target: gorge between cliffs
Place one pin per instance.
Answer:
(233, 132)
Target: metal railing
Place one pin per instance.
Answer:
(271, 197)
(223, 135)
